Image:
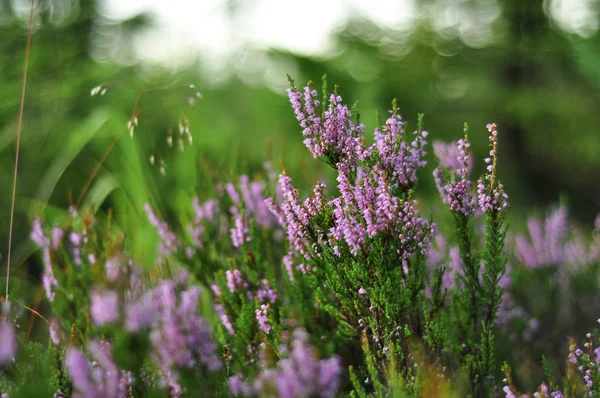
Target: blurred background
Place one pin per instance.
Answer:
(219, 66)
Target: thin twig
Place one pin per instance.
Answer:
(19, 128)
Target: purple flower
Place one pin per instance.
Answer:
(55, 331)
(397, 156)
(234, 280)
(334, 135)
(452, 181)
(452, 156)
(239, 233)
(509, 393)
(99, 379)
(104, 307)
(8, 343)
(263, 319)
(547, 244)
(266, 293)
(288, 262)
(362, 291)
(179, 336)
(113, 269)
(490, 192)
(168, 240)
(48, 279)
(224, 318)
(238, 386)
(301, 374)
(37, 234)
(57, 236)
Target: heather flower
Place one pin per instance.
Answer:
(288, 262)
(113, 269)
(265, 293)
(235, 280)
(76, 240)
(292, 215)
(334, 136)
(179, 336)
(55, 331)
(168, 240)
(224, 318)
(509, 393)
(99, 379)
(547, 244)
(8, 343)
(104, 307)
(57, 236)
(452, 181)
(398, 158)
(239, 233)
(262, 318)
(490, 192)
(254, 202)
(452, 156)
(205, 211)
(238, 386)
(37, 234)
(300, 375)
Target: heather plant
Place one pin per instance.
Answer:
(351, 289)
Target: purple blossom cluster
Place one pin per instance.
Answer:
(248, 203)
(398, 159)
(204, 213)
(104, 307)
(38, 236)
(8, 343)
(300, 375)
(549, 243)
(452, 176)
(265, 293)
(440, 255)
(100, 378)
(262, 317)
(490, 193)
(179, 336)
(542, 392)
(295, 215)
(368, 208)
(235, 280)
(368, 204)
(333, 135)
(168, 240)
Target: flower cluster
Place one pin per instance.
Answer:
(179, 336)
(587, 363)
(38, 236)
(398, 158)
(8, 343)
(490, 192)
(332, 136)
(100, 378)
(452, 176)
(549, 243)
(168, 240)
(206, 212)
(301, 375)
(370, 181)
